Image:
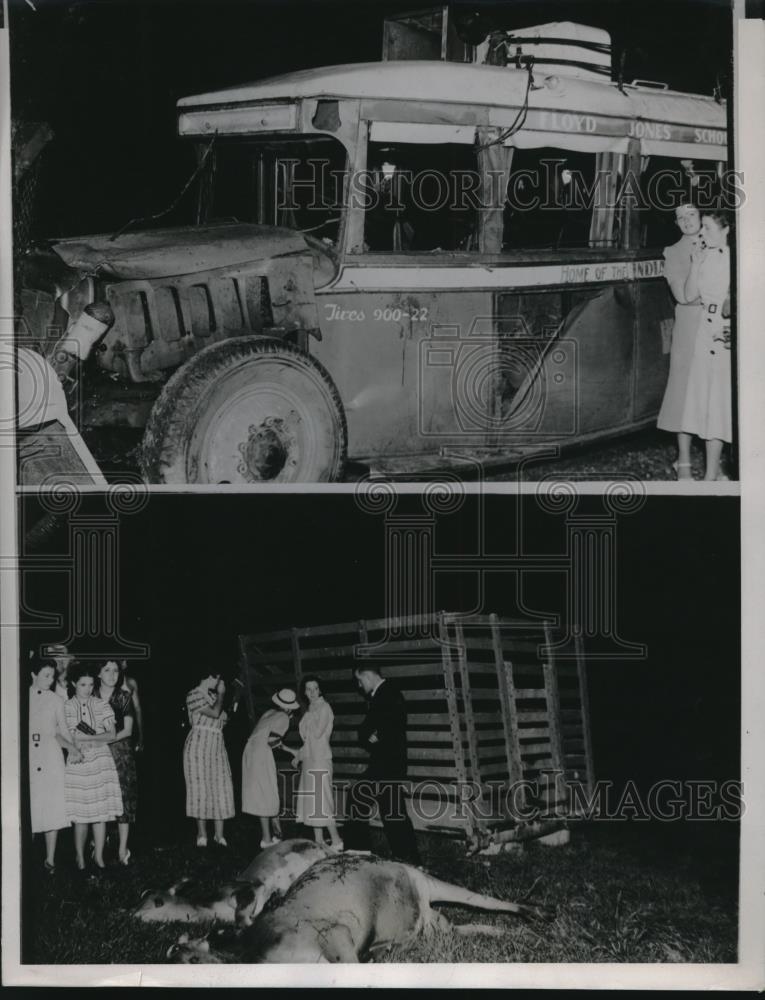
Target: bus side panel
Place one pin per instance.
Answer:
(600, 329)
(392, 355)
(655, 310)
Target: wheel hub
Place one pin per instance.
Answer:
(266, 451)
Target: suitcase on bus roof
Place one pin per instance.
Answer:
(563, 49)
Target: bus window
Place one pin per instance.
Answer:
(293, 183)
(550, 198)
(421, 198)
(665, 183)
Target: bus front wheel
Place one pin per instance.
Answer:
(247, 410)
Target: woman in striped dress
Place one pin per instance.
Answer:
(91, 787)
(209, 789)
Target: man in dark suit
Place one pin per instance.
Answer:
(383, 735)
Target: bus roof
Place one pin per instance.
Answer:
(466, 83)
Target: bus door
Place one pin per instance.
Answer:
(560, 213)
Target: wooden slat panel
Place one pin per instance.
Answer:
(533, 733)
(585, 707)
(532, 749)
(434, 770)
(529, 693)
(486, 669)
(425, 736)
(344, 628)
(436, 719)
(265, 638)
(407, 645)
(429, 753)
(519, 646)
(349, 653)
(490, 734)
(534, 716)
(278, 656)
(438, 722)
(399, 672)
(493, 718)
(435, 754)
(296, 657)
(455, 723)
(429, 695)
(489, 769)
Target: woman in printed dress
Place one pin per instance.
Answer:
(708, 410)
(111, 688)
(91, 786)
(315, 797)
(209, 789)
(687, 316)
(48, 734)
(260, 790)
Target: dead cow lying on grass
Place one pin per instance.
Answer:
(239, 901)
(344, 909)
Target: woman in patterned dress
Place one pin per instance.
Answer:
(260, 790)
(92, 787)
(708, 409)
(111, 688)
(47, 735)
(209, 789)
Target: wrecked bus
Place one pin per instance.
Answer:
(401, 264)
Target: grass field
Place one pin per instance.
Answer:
(623, 893)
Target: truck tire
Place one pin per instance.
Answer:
(247, 410)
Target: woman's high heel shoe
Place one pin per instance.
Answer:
(126, 859)
(682, 470)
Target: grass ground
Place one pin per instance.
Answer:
(647, 455)
(623, 893)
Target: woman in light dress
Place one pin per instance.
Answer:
(206, 768)
(260, 790)
(708, 410)
(91, 785)
(687, 317)
(315, 796)
(48, 735)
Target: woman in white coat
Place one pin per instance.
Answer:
(315, 803)
(260, 789)
(708, 409)
(48, 737)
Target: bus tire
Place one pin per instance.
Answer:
(249, 409)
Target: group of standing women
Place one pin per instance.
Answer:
(81, 762)
(209, 786)
(698, 397)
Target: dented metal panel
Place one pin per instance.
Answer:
(167, 252)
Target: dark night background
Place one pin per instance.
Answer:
(198, 571)
(106, 75)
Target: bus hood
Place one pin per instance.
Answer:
(163, 253)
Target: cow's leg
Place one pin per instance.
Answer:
(466, 930)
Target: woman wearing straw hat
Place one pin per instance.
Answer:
(260, 792)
